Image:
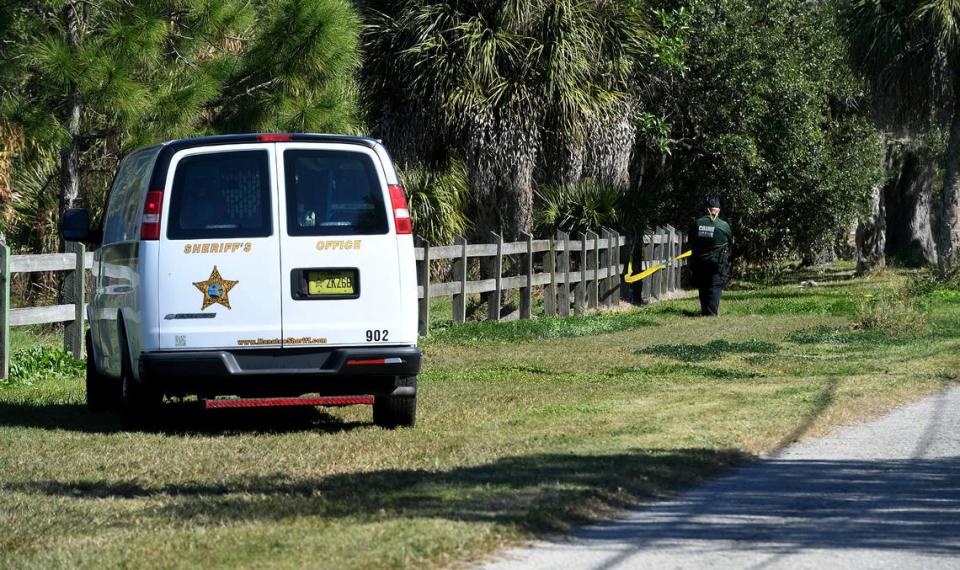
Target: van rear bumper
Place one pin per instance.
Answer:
(282, 372)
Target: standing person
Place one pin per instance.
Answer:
(710, 238)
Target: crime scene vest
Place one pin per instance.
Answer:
(708, 238)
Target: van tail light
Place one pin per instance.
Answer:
(401, 213)
(150, 226)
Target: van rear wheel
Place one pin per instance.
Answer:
(140, 402)
(396, 411)
(99, 395)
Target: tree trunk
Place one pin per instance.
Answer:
(871, 235)
(908, 197)
(501, 154)
(949, 215)
(70, 153)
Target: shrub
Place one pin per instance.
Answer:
(589, 204)
(437, 199)
(930, 280)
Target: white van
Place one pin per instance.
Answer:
(253, 267)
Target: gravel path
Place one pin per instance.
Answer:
(880, 495)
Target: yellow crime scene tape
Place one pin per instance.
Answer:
(630, 278)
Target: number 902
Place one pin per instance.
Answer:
(377, 335)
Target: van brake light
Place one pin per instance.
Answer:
(401, 213)
(152, 206)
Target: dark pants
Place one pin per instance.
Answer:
(710, 282)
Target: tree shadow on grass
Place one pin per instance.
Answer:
(710, 351)
(540, 492)
(174, 419)
(670, 310)
(825, 277)
(797, 295)
(779, 503)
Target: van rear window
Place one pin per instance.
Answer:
(221, 195)
(333, 193)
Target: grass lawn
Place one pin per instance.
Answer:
(524, 428)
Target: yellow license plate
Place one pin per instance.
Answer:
(330, 283)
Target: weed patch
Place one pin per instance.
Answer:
(34, 363)
(891, 314)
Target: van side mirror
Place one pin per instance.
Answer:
(75, 226)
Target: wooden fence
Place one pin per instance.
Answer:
(574, 275)
(72, 312)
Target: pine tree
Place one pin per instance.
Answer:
(86, 82)
(296, 74)
(87, 79)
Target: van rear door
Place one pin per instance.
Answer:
(219, 266)
(339, 261)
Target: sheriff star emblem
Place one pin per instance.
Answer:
(215, 289)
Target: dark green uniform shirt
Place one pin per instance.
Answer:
(708, 238)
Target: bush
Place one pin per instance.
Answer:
(589, 204)
(895, 314)
(931, 280)
(37, 362)
(437, 200)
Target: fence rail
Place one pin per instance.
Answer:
(574, 275)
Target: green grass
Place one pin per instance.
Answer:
(524, 428)
(491, 332)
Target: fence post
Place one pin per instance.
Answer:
(73, 287)
(657, 254)
(564, 297)
(671, 253)
(661, 275)
(593, 290)
(647, 290)
(677, 250)
(550, 291)
(495, 297)
(580, 291)
(4, 311)
(80, 301)
(423, 324)
(526, 293)
(685, 262)
(616, 266)
(460, 274)
(604, 261)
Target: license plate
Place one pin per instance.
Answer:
(333, 282)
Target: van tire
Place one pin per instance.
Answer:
(396, 411)
(139, 403)
(99, 393)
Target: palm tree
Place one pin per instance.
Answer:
(511, 86)
(910, 50)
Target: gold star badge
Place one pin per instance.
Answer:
(215, 290)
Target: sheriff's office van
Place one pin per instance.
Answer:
(254, 266)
